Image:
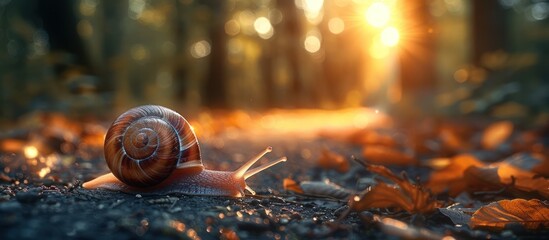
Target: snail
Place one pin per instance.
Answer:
(153, 149)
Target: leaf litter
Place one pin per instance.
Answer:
(469, 180)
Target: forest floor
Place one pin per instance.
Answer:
(41, 194)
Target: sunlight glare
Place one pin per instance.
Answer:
(378, 14)
(390, 37)
(30, 152)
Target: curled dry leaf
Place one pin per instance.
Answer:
(291, 185)
(450, 177)
(324, 189)
(387, 156)
(459, 216)
(317, 189)
(532, 162)
(496, 134)
(332, 160)
(503, 175)
(405, 195)
(532, 214)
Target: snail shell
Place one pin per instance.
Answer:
(145, 144)
(152, 149)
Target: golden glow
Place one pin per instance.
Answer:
(378, 14)
(200, 49)
(378, 50)
(177, 225)
(390, 37)
(313, 10)
(42, 173)
(232, 27)
(263, 27)
(30, 152)
(312, 44)
(336, 25)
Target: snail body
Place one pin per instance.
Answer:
(152, 149)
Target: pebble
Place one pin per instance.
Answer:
(341, 210)
(255, 202)
(253, 227)
(296, 216)
(30, 196)
(277, 199)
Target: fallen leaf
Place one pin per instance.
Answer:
(496, 134)
(332, 160)
(324, 189)
(532, 162)
(459, 216)
(532, 214)
(387, 156)
(291, 185)
(367, 137)
(405, 195)
(451, 139)
(504, 176)
(450, 178)
(523, 180)
(437, 163)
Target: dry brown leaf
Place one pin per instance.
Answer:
(291, 185)
(458, 216)
(367, 137)
(450, 177)
(532, 214)
(332, 160)
(405, 195)
(387, 156)
(316, 189)
(451, 139)
(532, 162)
(324, 189)
(496, 134)
(523, 180)
(499, 176)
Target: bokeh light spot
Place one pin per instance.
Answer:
(336, 25)
(200, 49)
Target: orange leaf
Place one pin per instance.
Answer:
(366, 137)
(496, 134)
(532, 214)
(291, 185)
(504, 175)
(450, 177)
(407, 196)
(387, 156)
(332, 160)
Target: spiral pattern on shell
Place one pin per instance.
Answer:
(145, 144)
